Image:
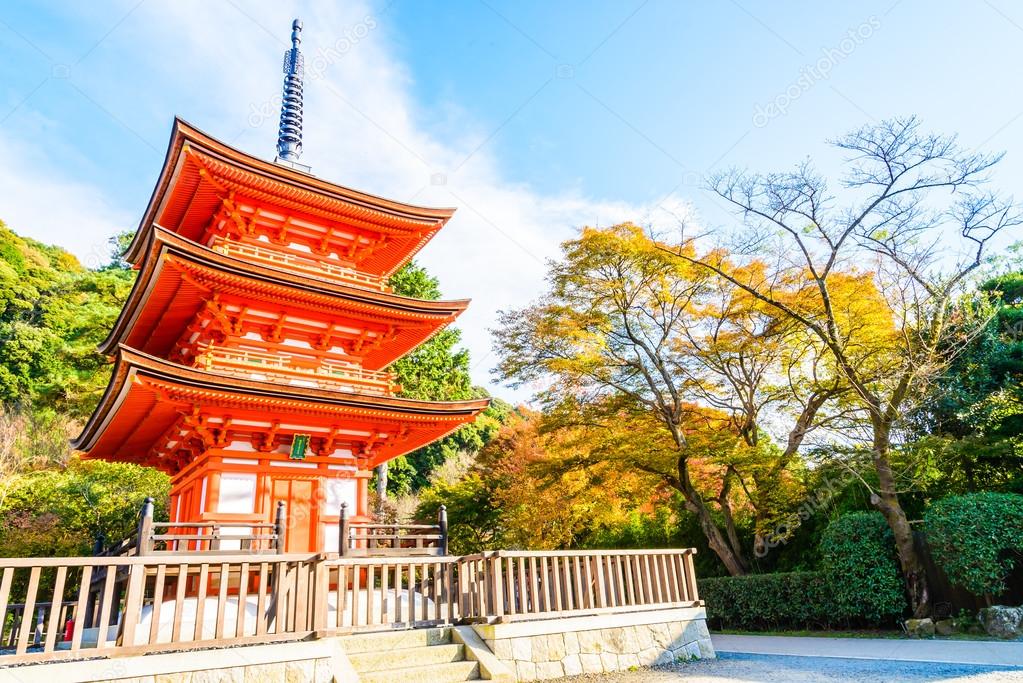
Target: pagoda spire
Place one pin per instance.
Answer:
(289, 135)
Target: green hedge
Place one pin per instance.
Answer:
(859, 562)
(859, 585)
(790, 600)
(976, 539)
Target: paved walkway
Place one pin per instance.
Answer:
(740, 668)
(981, 652)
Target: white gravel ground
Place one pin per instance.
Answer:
(743, 668)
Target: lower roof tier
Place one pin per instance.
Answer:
(163, 415)
(186, 292)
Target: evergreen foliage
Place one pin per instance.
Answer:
(437, 371)
(859, 562)
(53, 313)
(757, 602)
(58, 512)
(977, 539)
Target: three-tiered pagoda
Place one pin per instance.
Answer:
(251, 356)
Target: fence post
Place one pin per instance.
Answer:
(494, 571)
(694, 593)
(321, 589)
(280, 526)
(442, 522)
(143, 543)
(343, 534)
(133, 601)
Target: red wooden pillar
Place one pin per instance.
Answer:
(362, 478)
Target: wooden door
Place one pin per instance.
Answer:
(297, 495)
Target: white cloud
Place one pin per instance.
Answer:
(361, 130)
(41, 202)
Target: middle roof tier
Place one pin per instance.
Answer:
(188, 297)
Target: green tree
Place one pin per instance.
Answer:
(61, 511)
(475, 522)
(977, 539)
(972, 420)
(53, 313)
(438, 370)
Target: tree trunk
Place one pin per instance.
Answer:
(733, 534)
(715, 539)
(887, 501)
(381, 487)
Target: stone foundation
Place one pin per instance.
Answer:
(318, 661)
(539, 650)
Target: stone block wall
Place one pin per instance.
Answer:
(301, 671)
(542, 650)
(312, 661)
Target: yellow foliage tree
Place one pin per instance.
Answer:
(667, 372)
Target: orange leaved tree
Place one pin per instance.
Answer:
(671, 372)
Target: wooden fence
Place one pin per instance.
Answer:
(373, 539)
(153, 538)
(54, 608)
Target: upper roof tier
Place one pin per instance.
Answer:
(208, 190)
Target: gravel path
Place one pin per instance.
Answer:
(743, 668)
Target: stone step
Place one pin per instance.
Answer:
(395, 640)
(409, 657)
(436, 673)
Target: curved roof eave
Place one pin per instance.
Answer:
(130, 364)
(183, 132)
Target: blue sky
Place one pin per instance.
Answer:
(533, 118)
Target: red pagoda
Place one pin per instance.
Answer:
(251, 356)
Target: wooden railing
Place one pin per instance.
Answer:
(54, 608)
(155, 538)
(325, 374)
(296, 262)
(522, 585)
(165, 603)
(357, 539)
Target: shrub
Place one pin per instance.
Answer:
(58, 512)
(977, 539)
(793, 600)
(859, 563)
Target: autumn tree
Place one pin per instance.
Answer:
(756, 367)
(541, 485)
(619, 342)
(914, 216)
(554, 484)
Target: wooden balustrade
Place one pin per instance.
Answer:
(326, 374)
(364, 539)
(389, 592)
(139, 604)
(154, 538)
(522, 585)
(293, 261)
(54, 608)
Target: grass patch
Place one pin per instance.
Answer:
(854, 633)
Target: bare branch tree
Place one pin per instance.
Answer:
(917, 220)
